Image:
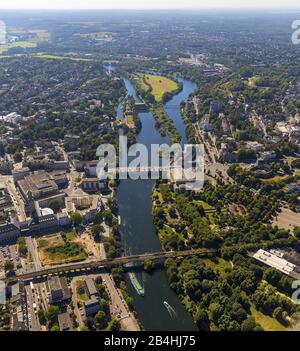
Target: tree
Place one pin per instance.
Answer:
(18, 156)
(272, 276)
(22, 248)
(76, 219)
(114, 325)
(202, 321)
(278, 314)
(108, 217)
(55, 328)
(55, 205)
(42, 317)
(148, 265)
(248, 324)
(297, 232)
(97, 230)
(100, 320)
(8, 266)
(51, 314)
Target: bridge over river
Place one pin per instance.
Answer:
(88, 265)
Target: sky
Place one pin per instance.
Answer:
(150, 4)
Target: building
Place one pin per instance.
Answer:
(91, 306)
(254, 145)
(215, 107)
(64, 322)
(92, 185)
(90, 288)
(274, 259)
(9, 233)
(90, 168)
(267, 156)
(58, 290)
(18, 302)
(36, 186)
(45, 223)
(60, 178)
(19, 174)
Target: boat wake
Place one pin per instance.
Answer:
(170, 309)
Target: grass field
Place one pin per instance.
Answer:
(17, 44)
(55, 57)
(275, 180)
(58, 249)
(159, 84)
(267, 322)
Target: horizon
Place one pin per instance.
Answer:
(194, 5)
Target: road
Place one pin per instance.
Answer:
(34, 324)
(118, 306)
(31, 245)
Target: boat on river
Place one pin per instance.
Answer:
(136, 284)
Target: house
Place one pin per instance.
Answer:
(92, 185)
(58, 290)
(91, 306)
(254, 145)
(9, 232)
(18, 302)
(267, 156)
(90, 288)
(64, 322)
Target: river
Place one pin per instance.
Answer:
(138, 233)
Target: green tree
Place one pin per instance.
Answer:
(51, 314)
(100, 320)
(55, 328)
(8, 266)
(202, 320)
(76, 219)
(114, 325)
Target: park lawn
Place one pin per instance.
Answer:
(220, 265)
(55, 57)
(130, 121)
(54, 250)
(17, 44)
(160, 85)
(275, 180)
(81, 296)
(205, 205)
(267, 322)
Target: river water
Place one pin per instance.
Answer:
(138, 233)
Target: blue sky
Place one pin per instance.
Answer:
(151, 4)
